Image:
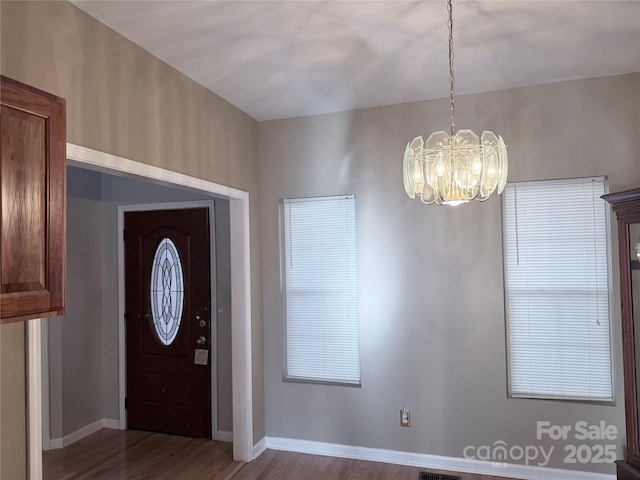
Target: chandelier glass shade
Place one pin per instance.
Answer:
(453, 169)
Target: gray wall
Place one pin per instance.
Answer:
(83, 345)
(13, 412)
(223, 301)
(432, 322)
(75, 339)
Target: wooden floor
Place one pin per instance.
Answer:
(276, 465)
(131, 455)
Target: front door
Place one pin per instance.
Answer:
(168, 312)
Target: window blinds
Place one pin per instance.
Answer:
(557, 289)
(320, 289)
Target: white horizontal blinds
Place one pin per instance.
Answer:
(557, 289)
(321, 294)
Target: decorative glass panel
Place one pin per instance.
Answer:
(167, 291)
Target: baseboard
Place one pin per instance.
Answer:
(83, 432)
(454, 464)
(55, 443)
(111, 423)
(260, 447)
(87, 430)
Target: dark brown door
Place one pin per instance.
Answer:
(167, 305)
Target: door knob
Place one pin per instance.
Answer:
(201, 341)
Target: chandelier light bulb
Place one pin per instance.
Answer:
(638, 248)
(453, 169)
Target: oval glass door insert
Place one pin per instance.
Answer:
(167, 291)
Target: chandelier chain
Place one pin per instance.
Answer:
(452, 80)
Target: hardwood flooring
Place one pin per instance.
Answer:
(276, 465)
(133, 455)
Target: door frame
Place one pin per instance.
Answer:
(213, 324)
(241, 361)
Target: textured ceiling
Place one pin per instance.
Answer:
(280, 59)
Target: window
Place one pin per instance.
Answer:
(167, 291)
(320, 289)
(557, 289)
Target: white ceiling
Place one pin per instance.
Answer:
(280, 59)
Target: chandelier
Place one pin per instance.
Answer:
(453, 169)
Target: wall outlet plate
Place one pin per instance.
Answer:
(405, 417)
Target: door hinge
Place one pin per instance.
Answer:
(125, 319)
(126, 402)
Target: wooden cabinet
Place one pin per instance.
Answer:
(626, 206)
(33, 209)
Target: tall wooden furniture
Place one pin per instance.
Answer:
(33, 209)
(626, 206)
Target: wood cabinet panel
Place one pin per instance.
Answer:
(33, 210)
(24, 201)
(626, 206)
(626, 471)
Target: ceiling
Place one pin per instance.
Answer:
(280, 59)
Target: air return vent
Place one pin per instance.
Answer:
(436, 476)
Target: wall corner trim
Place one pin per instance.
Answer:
(454, 464)
(260, 447)
(112, 423)
(34, 398)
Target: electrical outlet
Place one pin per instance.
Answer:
(405, 417)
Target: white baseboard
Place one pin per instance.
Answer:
(224, 436)
(112, 423)
(83, 432)
(453, 464)
(55, 443)
(260, 447)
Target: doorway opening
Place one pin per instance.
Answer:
(240, 297)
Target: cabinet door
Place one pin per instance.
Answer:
(33, 213)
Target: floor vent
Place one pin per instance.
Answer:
(436, 476)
